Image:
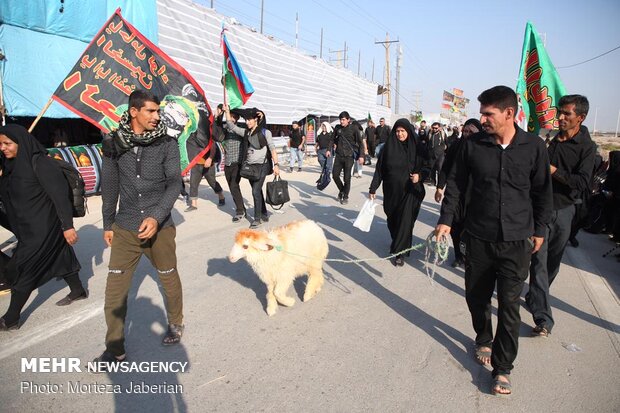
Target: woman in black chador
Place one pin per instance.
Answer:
(39, 213)
(399, 166)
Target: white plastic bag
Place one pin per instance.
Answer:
(364, 218)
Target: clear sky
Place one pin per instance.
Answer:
(466, 44)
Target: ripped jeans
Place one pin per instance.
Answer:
(127, 249)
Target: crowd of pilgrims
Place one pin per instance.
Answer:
(409, 158)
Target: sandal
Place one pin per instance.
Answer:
(483, 354)
(540, 331)
(8, 327)
(501, 388)
(173, 335)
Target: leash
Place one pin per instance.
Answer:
(611, 250)
(435, 253)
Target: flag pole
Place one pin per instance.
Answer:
(223, 71)
(47, 105)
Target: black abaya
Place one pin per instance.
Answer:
(38, 209)
(401, 197)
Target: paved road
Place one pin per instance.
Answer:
(377, 338)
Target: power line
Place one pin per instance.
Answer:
(273, 28)
(404, 98)
(589, 60)
(367, 15)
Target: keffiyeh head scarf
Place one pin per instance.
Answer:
(126, 139)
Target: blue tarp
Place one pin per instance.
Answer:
(41, 45)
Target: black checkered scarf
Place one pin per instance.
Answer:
(125, 138)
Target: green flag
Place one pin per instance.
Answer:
(539, 87)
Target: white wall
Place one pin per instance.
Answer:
(288, 85)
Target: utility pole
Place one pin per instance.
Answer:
(345, 55)
(617, 124)
(296, 30)
(338, 56)
(262, 4)
(359, 59)
(321, 51)
(211, 3)
(399, 62)
(388, 88)
(372, 76)
(595, 116)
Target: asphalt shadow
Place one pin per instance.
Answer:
(240, 272)
(143, 344)
(450, 338)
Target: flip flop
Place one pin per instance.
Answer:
(502, 385)
(540, 331)
(480, 354)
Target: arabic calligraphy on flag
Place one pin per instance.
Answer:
(120, 60)
(539, 87)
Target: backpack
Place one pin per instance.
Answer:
(77, 191)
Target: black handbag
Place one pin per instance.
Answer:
(251, 171)
(324, 179)
(277, 193)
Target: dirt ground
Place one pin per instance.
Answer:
(607, 143)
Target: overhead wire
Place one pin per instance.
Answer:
(274, 28)
(356, 9)
(589, 60)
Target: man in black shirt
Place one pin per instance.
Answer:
(348, 144)
(382, 133)
(425, 146)
(370, 138)
(296, 145)
(571, 153)
(437, 150)
(507, 209)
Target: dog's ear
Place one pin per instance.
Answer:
(262, 246)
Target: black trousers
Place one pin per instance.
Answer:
(436, 168)
(260, 208)
(456, 232)
(198, 172)
(343, 164)
(371, 147)
(505, 263)
(233, 177)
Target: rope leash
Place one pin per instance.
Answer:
(436, 253)
(611, 250)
